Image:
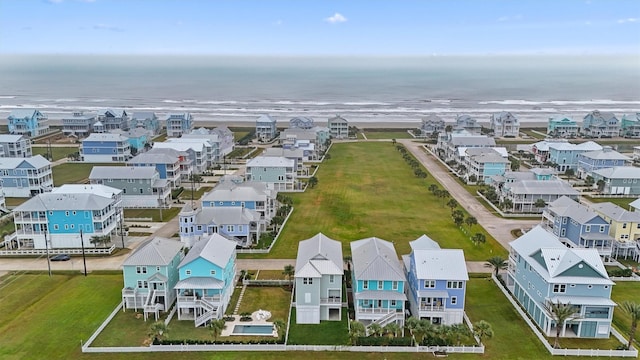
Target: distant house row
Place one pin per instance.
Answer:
(502, 124)
(596, 124)
(266, 127)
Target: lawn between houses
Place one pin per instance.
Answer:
(75, 172)
(365, 190)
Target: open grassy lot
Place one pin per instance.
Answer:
(57, 152)
(272, 275)
(371, 134)
(74, 173)
(622, 202)
(126, 329)
(238, 153)
(197, 194)
(274, 299)
(14, 201)
(325, 333)
(366, 189)
(167, 214)
(7, 227)
(624, 291)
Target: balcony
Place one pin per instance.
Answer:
(190, 300)
(330, 300)
(429, 307)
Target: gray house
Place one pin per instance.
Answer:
(339, 127)
(15, 146)
(430, 124)
(141, 186)
(301, 122)
(620, 180)
(80, 124)
(112, 119)
(318, 277)
(266, 127)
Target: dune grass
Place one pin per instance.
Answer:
(366, 189)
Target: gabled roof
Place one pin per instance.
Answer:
(36, 162)
(96, 189)
(143, 115)
(216, 249)
(553, 260)
(59, 201)
(543, 187)
(472, 140)
(375, 259)
(440, 264)
(122, 172)
(568, 208)
(231, 191)
(105, 137)
(8, 138)
(113, 112)
(424, 243)
(158, 251)
(224, 215)
(635, 204)
(503, 116)
(320, 255)
(23, 113)
(183, 115)
(585, 146)
(619, 172)
(616, 213)
(180, 145)
(266, 118)
(158, 156)
(337, 119)
(605, 154)
(543, 145)
(270, 161)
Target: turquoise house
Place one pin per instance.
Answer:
(207, 275)
(150, 274)
(562, 127)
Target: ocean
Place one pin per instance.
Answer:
(360, 89)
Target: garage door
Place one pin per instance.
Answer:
(307, 315)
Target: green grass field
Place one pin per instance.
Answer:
(167, 214)
(622, 202)
(74, 173)
(366, 190)
(372, 135)
(325, 333)
(57, 152)
(186, 194)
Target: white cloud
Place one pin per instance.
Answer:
(106, 27)
(336, 18)
(628, 20)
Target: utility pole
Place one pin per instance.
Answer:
(160, 203)
(84, 260)
(122, 225)
(192, 189)
(46, 245)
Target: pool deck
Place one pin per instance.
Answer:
(228, 331)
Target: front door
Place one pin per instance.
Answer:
(379, 303)
(155, 286)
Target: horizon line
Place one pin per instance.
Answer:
(294, 55)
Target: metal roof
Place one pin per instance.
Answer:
(375, 259)
(158, 156)
(143, 115)
(619, 172)
(582, 300)
(322, 253)
(266, 118)
(230, 215)
(199, 282)
(216, 249)
(615, 212)
(379, 295)
(122, 172)
(22, 113)
(543, 187)
(96, 189)
(59, 201)
(158, 251)
(605, 154)
(270, 161)
(105, 137)
(36, 162)
(424, 243)
(8, 138)
(231, 191)
(440, 264)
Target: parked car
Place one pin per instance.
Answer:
(61, 257)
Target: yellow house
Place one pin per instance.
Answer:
(625, 227)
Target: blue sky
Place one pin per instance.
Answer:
(305, 27)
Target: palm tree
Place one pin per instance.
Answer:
(540, 203)
(458, 217)
(478, 238)
(356, 330)
(313, 181)
(289, 272)
(482, 329)
(633, 310)
(347, 260)
(452, 204)
(392, 330)
(560, 313)
(459, 331)
(444, 194)
(216, 327)
(470, 221)
(375, 329)
(281, 327)
(158, 330)
(433, 188)
(497, 263)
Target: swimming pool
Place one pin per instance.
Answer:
(253, 330)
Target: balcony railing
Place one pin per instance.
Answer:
(366, 310)
(331, 300)
(427, 307)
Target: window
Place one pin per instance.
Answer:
(454, 300)
(589, 286)
(332, 278)
(559, 288)
(66, 227)
(587, 228)
(187, 272)
(307, 281)
(429, 284)
(380, 285)
(199, 227)
(564, 220)
(601, 228)
(143, 284)
(394, 285)
(365, 285)
(212, 272)
(157, 268)
(393, 303)
(240, 229)
(624, 225)
(141, 269)
(563, 232)
(66, 213)
(230, 228)
(74, 212)
(73, 226)
(454, 284)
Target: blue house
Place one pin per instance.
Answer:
(97, 148)
(484, 162)
(29, 122)
(207, 276)
(237, 223)
(277, 173)
(542, 270)
(150, 273)
(249, 194)
(577, 226)
(146, 120)
(25, 177)
(599, 124)
(565, 155)
(437, 282)
(266, 128)
(171, 164)
(588, 162)
(178, 124)
(378, 282)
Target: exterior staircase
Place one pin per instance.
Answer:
(210, 312)
(150, 305)
(383, 321)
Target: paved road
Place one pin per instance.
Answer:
(498, 227)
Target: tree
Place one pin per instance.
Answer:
(347, 260)
(313, 181)
(470, 221)
(392, 330)
(497, 263)
(196, 178)
(327, 156)
(375, 329)
(452, 204)
(216, 327)
(99, 239)
(600, 184)
(393, 141)
(448, 128)
(158, 330)
(281, 327)
(560, 313)
(633, 310)
(356, 330)
(515, 165)
(443, 194)
(459, 331)
(433, 188)
(569, 173)
(479, 238)
(473, 178)
(507, 204)
(289, 271)
(482, 329)
(589, 181)
(540, 203)
(458, 217)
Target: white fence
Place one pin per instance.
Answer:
(74, 251)
(147, 219)
(566, 352)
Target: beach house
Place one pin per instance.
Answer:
(105, 148)
(624, 228)
(172, 165)
(141, 187)
(207, 276)
(278, 173)
(30, 122)
(147, 120)
(15, 146)
(525, 194)
(590, 161)
(113, 119)
(378, 282)
(66, 215)
(540, 149)
(437, 282)
(449, 143)
(504, 124)
(178, 124)
(79, 124)
(339, 127)
(139, 139)
(484, 162)
(25, 177)
(318, 276)
(630, 125)
(565, 155)
(266, 128)
(576, 225)
(562, 126)
(430, 124)
(620, 180)
(247, 194)
(150, 274)
(468, 123)
(218, 142)
(542, 270)
(242, 225)
(598, 124)
(301, 122)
